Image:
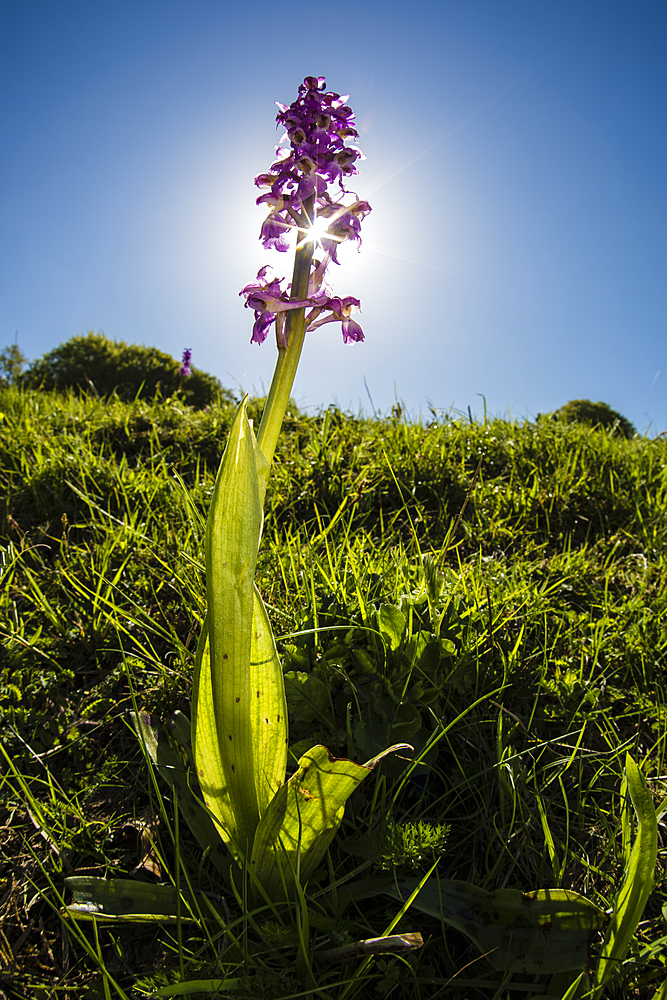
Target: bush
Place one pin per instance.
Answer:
(583, 411)
(95, 363)
(12, 363)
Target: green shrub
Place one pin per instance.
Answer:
(583, 411)
(95, 363)
(12, 363)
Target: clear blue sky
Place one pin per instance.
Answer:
(516, 165)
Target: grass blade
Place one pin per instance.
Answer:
(638, 881)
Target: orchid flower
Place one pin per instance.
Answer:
(270, 303)
(185, 369)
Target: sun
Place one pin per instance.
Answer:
(317, 229)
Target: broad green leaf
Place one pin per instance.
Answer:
(626, 822)
(392, 944)
(430, 658)
(269, 722)
(270, 757)
(303, 818)
(447, 647)
(391, 622)
(210, 770)
(638, 880)
(536, 932)
(232, 539)
(308, 696)
(170, 767)
(120, 900)
(297, 656)
(239, 718)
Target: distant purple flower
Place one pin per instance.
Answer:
(185, 370)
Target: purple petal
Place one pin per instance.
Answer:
(351, 331)
(262, 323)
(330, 247)
(273, 236)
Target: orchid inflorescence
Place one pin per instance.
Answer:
(185, 369)
(319, 125)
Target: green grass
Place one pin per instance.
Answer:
(534, 647)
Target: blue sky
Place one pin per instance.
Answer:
(516, 165)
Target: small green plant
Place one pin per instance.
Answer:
(406, 845)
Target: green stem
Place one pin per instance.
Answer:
(288, 357)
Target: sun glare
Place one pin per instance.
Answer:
(318, 229)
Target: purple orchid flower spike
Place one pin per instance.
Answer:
(315, 155)
(185, 369)
(309, 206)
(318, 126)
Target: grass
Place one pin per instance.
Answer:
(522, 654)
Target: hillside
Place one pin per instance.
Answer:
(499, 585)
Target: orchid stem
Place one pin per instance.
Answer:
(288, 357)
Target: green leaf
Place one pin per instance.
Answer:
(239, 709)
(297, 656)
(537, 932)
(638, 881)
(210, 771)
(270, 757)
(179, 728)
(391, 622)
(406, 723)
(574, 988)
(269, 719)
(303, 818)
(171, 768)
(121, 900)
(415, 646)
(308, 697)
